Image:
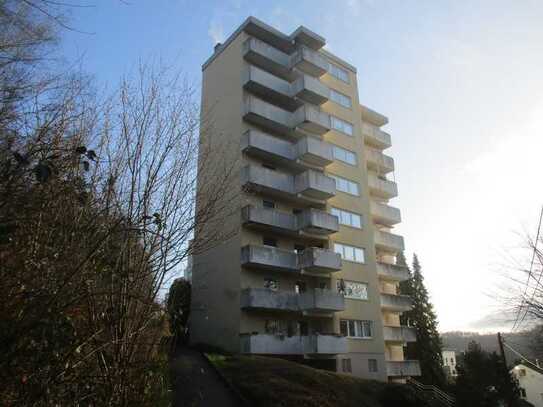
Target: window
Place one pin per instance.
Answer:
(271, 284)
(268, 204)
(353, 289)
(372, 365)
(356, 329)
(347, 218)
(338, 73)
(341, 125)
(346, 365)
(300, 287)
(345, 185)
(269, 241)
(350, 253)
(340, 99)
(344, 155)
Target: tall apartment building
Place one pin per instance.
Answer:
(310, 271)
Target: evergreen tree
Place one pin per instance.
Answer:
(427, 348)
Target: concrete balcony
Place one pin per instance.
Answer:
(307, 37)
(388, 242)
(396, 303)
(392, 272)
(266, 115)
(269, 258)
(309, 61)
(311, 119)
(308, 152)
(270, 87)
(269, 344)
(376, 137)
(309, 187)
(382, 188)
(268, 58)
(315, 185)
(319, 300)
(315, 222)
(266, 299)
(403, 368)
(269, 219)
(310, 90)
(378, 161)
(310, 221)
(315, 260)
(384, 214)
(400, 334)
(325, 344)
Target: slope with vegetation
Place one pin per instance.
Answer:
(267, 382)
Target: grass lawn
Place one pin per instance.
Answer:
(266, 382)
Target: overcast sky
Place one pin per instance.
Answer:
(462, 85)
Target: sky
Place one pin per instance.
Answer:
(462, 85)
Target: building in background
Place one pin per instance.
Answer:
(310, 272)
(449, 364)
(530, 382)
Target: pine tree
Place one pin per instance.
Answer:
(427, 348)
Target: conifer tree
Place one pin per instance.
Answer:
(427, 348)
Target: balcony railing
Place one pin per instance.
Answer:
(266, 299)
(270, 87)
(317, 260)
(385, 214)
(399, 334)
(317, 222)
(388, 242)
(307, 187)
(310, 90)
(403, 368)
(378, 161)
(268, 57)
(269, 258)
(311, 119)
(312, 259)
(381, 187)
(308, 152)
(392, 272)
(375, 136)
(277, 120)
(309, 61)
(320, 300)
(325, 344)
(270, 344)
(396, 303)
(311, 221)
(315, 300)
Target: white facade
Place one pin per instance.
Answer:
(449, 363)
(530, 381)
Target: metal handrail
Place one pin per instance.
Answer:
(437, 393)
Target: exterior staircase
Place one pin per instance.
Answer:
(433, 392)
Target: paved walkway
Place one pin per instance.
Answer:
(196, 384)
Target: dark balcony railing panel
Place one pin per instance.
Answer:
(400, 334)
(264, 298)
(403, 368)
(317, 222)
(267, 257)
(400, 303)
(392, 272)
(320, 260)
(320, 300)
